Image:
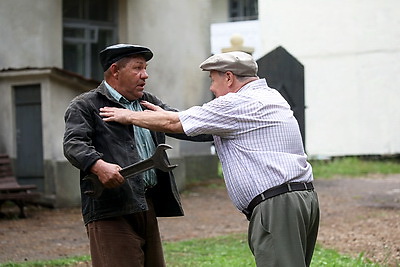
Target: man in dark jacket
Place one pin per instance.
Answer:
(121, 223)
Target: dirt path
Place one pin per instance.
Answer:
(357, 215)
(362, 215)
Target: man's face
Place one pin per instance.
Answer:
(219, 86)
(132, 78)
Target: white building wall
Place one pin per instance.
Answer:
(32, 33)
(351, 54)
(221, 34)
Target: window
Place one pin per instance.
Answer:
(88, 27)
(240, 10)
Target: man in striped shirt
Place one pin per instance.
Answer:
(259, 144)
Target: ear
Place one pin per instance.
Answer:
(229, 76)
(114, 70)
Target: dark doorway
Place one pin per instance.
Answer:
(28, 116)
(286, 74)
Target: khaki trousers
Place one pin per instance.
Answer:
(131, 240)
(283, 230)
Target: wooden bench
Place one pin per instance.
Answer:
(10, 190)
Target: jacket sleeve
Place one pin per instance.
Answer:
(79, 129)
(198, 138)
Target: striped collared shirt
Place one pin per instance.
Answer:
(256, 137)
(144, 142)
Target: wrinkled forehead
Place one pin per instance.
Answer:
(138, 60)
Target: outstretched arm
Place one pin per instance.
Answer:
(155, 118)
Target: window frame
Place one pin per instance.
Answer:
(243, 10)
(91, 30)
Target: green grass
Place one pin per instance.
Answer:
(70, 261)
(350, 167)
(224, 251)
(353, 167)
(331, 258)
(231, 250)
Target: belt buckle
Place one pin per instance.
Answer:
(305, 186)
(289, 187)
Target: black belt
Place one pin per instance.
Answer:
(275, 191)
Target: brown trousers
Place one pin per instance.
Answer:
(131, 240)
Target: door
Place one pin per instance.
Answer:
(28, 116)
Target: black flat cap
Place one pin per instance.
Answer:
(113, 53)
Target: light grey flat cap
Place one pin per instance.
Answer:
(239, 63)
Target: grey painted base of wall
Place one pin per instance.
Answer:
(61, 185)
(195, 168)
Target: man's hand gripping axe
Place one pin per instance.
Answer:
(158, 160)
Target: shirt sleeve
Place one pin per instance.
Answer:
(216, 117)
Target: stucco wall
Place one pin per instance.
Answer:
(32, 33)
(178, 33)
(56, 95)
(219, 11)
(351, 54)
(178, 37)
(7, 125)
